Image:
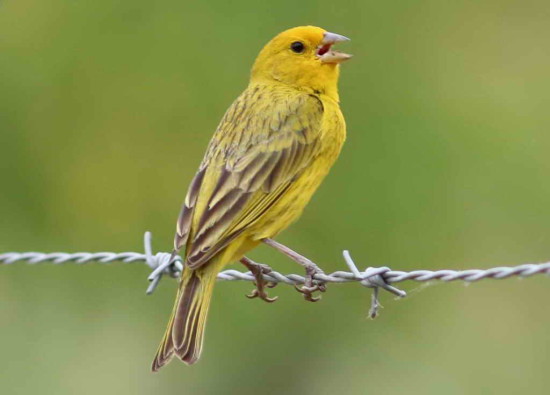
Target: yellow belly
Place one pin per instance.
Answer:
(290, 207)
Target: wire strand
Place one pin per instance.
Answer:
(375, 278)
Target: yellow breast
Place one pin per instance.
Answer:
(290, 207)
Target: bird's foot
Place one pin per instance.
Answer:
(312, 285)
(258, 270)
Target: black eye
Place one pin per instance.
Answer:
(297, 46)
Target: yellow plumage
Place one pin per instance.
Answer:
(270, 152)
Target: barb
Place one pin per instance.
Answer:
(375, 278)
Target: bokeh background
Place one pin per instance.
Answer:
(105, 110)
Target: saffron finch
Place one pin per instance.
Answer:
(269, 154)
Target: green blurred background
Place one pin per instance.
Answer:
(105, 110)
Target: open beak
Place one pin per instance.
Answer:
(325, 52)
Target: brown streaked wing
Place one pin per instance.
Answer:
(186, 213)
(280, 140)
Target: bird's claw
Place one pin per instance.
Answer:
(258, 270)
(260, 293)
(311, 285)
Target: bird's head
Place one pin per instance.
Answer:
(302, 57)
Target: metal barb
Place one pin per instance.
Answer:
(372, 278)
(161, 263)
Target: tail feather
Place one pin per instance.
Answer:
(184, 310)
(165, 352)
(185, 333)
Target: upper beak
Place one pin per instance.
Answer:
(325, 52)
(332, 38)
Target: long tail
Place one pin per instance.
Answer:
(185, 332)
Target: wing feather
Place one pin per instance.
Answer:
(259, 149)
(186, 213)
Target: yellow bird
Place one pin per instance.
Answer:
(270, 152)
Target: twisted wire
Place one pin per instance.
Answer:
(375, 278)
(391, 276)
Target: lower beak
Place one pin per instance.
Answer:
(325, 52)
(334, 57)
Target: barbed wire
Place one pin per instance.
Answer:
(376, 278)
